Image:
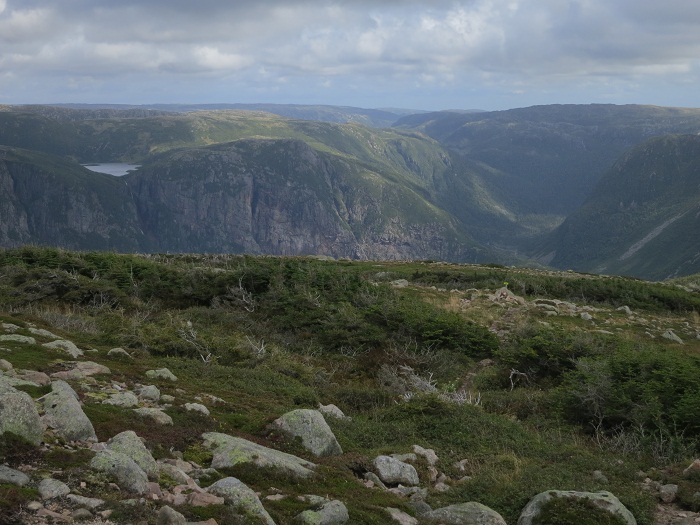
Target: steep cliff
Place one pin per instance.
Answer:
(53, 201)
(283, 197)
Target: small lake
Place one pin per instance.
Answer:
(116, 169)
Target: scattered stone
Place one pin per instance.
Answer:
(465, 514)
(668, 493)
(166, 398)
(9, 327)
(374, 479)
(11, 476)
(174, 473)
(90, 368)
(11, 381)
(40, 378)
(333, 411)
(149, 393)
(401, 517)
(52, 488)
(81, 514)
(90, 503)
(128, 474)
(67, 346)
(161, 373)
(393, 471)
(5, 366)
(197, 407)
(428, 453)
(119, 353)
(309, 425)
(46, 513)
(625, 309)
(204, 499)
(16, 338)
(441, 487)
(586, 316)
(156, 414)
(62, 412)
(504, 295)
(34, 506)
(169, 516)
(19, 415)
(239, 495)
(671, 336)
(122, 399)
(603, 500)
(129, 444)
(43, 333)
(399, 283)
(331, 512)
(230, 451)
(409, 492)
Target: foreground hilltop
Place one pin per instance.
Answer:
(247, 389)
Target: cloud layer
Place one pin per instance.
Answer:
(471, 53)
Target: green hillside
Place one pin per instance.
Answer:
(642, 219)
(553, 381)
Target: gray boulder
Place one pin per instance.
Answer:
(603, 500)
(309, 425)
(169, 516)
(62, 412)
(471, 513)
(52, 488)
(129, 444)
(82, 501)
(161, 373)
(19, 416)
(237, 494)
(392, 471)
(149, 393)
(16, 338)
(155, 414)
(230, 451)
(197, 407)
(10, 476)
(330, 512)
(67, 346)
(123, 469)
(671, 336)
(119, 353)
(122, 399)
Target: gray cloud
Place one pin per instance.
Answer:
(345, 51)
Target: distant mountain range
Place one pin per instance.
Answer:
(594, 188)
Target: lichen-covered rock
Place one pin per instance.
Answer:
(149, 393)
(401, 517)
(471, 513)
(129, 444)
(67, 346)
(161, 373)
(309, 425)
(122, 399)
(155, 414)
(230, 451)
(62, 412)
(52, 488)
(90, 368)
(42, 333)
(603, 500)
(16, 338)
(19, 416)
(10, 476)
(330, 512)
(90, 503)
(197, 407)
(123, 469)
(392, 471)
(119, 353)
(169, 516)
(237, 494)
(332, 411)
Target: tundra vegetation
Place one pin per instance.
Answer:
(553, 381)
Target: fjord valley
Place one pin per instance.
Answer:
(280, 320)
(506, 187)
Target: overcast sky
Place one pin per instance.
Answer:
(488, 54)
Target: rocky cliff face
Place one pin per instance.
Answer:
(45, 200)
(283, 197)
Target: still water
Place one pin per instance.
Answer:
(112, 168)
